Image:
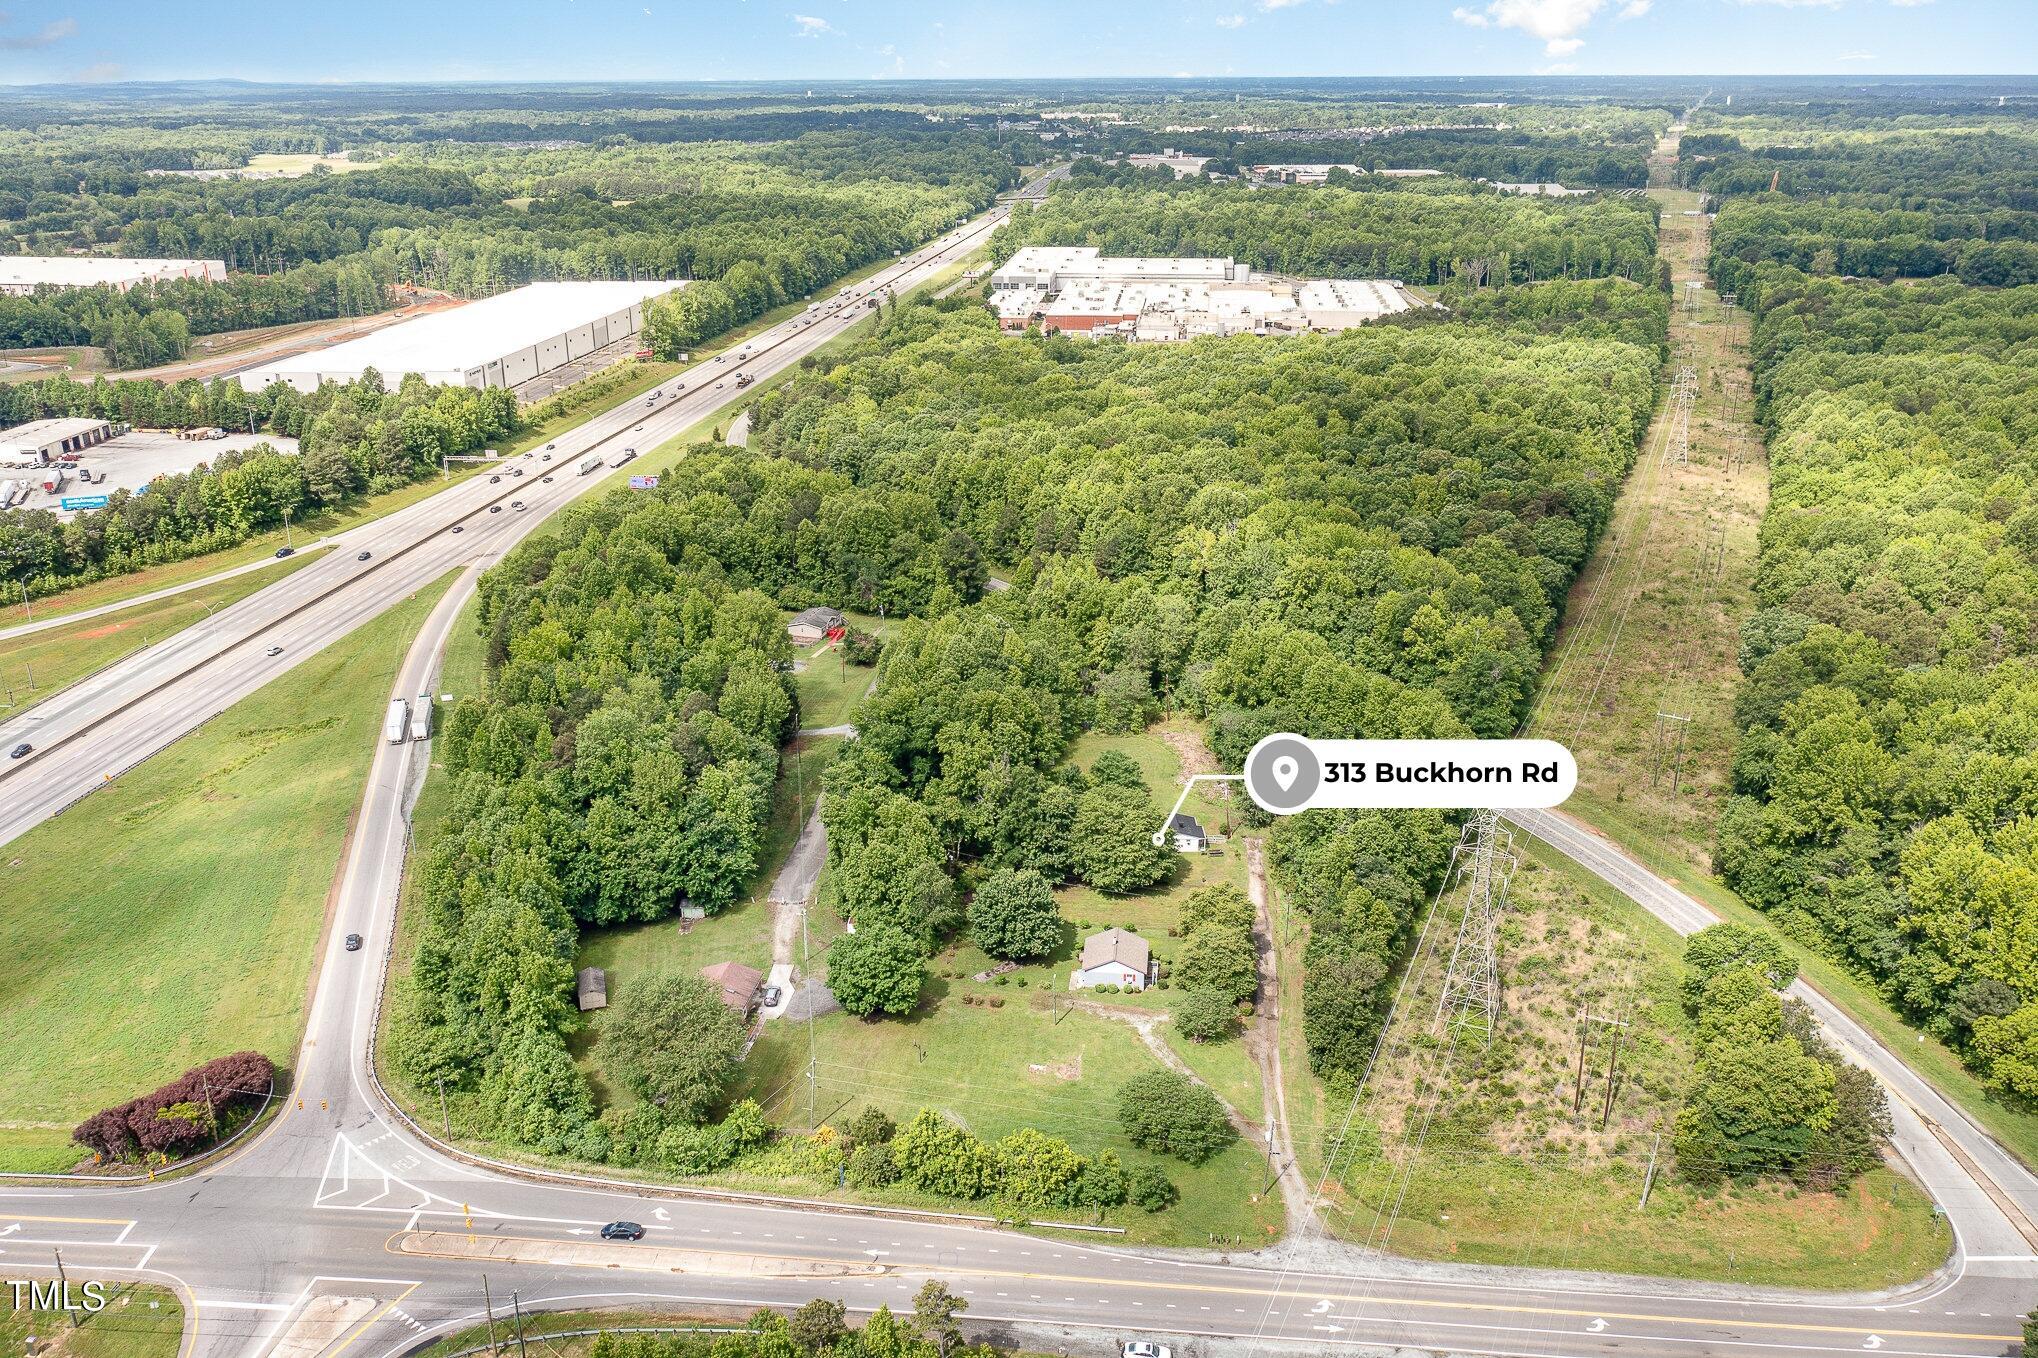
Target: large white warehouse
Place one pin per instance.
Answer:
(21, 275)
(498, 342)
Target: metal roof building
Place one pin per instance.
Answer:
(41, 441)
(21, 275)
(500, 341)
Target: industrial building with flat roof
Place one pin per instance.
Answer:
(44, 441)
(501, 341)
(1074, 290)
(21, 275)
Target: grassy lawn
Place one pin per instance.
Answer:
(190, 915)
(1504, 1173)
(139, 1321)
(61, 656)
(1031, 1063)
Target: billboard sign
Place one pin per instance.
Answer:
(83, 502)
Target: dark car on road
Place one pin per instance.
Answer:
(493, 479)
(353, 943)
(622, 1230)
(285, 551)
(20, 751)
(362, 556)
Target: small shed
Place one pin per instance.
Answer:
(736, 983)
(593, 988)
(1190, 837)
(1115, 957)
(811, 625)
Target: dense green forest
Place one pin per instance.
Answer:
(354, 439)
(769, 214)
(1422, 233)
(1887, 786)
(1375, 529)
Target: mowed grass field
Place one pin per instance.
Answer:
(172, 916)
(139, 1321)
(1028, 1064)
(33, 667)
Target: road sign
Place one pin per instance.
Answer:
(84, 501)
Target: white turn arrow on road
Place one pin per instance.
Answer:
(580, 1230)
(1874, 1342)
(1329, 1329)
(1319, 1308)
(661, 1214)
(1597, 1325)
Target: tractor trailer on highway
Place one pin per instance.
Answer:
(590, 464)
(421, 718)
(397, 724)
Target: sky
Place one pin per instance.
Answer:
(524, 40)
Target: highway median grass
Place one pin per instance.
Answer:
(37, 665)
(173, 915)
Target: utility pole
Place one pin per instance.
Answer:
(806, 970)
(488, 1307)
(286, 529)
(211, 1109)
(516, 1306)
(445, 1117)
(1649, 1179)
(64, 1286)
(1612, 1074)
(1578, 1089)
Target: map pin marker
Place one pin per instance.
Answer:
(1286, 770)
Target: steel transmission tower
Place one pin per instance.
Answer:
(1482, 865)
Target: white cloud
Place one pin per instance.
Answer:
(1271, 5)
(1634, 9)
(1231, 21)
(1557, 68)
(807, 26)
(42, 37)
(1909, 4)
(1856, 56)
(1795, 4)
(1557, 22)
(100, 72)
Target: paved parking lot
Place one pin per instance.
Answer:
(132, 461)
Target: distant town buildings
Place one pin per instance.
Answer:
(1185, 167)
(1079, 290)
(21, 275)
(1304, 174)
(1540, 190)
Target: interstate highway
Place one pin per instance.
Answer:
(99, 728)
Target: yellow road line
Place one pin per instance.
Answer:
(76, 1221)
(362, 1328)
(1294, 1294)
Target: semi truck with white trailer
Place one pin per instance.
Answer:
(590, 464)
(421, 718)
(396, 725)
